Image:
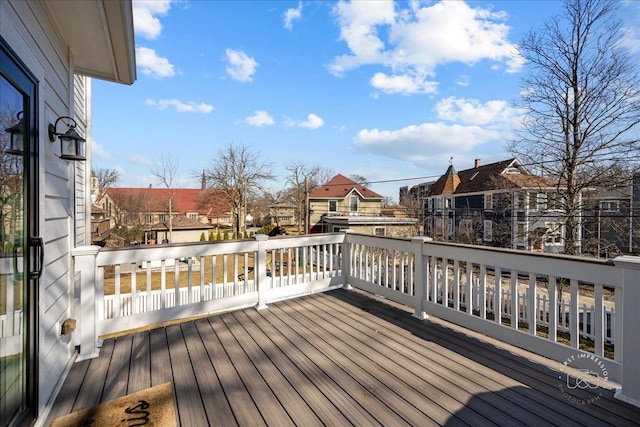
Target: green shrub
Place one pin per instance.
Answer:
(202, 238)
(225, 236)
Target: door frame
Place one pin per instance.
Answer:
(14, 70)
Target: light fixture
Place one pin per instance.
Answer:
(71, 144)
(16, 141)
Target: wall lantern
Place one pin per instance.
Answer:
(71, 144)
(16, 140)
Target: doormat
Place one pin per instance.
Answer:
(149, 407)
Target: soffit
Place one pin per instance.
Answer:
(99, 35)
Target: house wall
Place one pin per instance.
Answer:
(25, 27)
(320, 207)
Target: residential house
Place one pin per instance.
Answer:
(282, 214)
(610, 219)
(180, 230)
(499, 204)
(146, 206)
(49, 50)
(344, 204)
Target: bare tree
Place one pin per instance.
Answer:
(360, 180)
(166, 171)
(237, 173)
(581, 100)
(105, 178)
(302, 179)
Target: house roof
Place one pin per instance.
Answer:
(100, 36)
(339, 187)
(205, 202)
(494, 176)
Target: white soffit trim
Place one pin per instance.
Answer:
(99, 35)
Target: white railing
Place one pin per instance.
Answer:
(594, 299)
(11, 322)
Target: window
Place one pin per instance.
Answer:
(333, 206)
(353, 204)
(488, 202)
(541, 201)
(610, 206)
(162, 217)
(488, 230)
(378, 231)
(553, 235)
(192, 216)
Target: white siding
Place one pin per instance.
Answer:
(30, 34)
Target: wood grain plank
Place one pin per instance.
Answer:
(292, 403)
(286, 357)
(215, 403)
(140, 371)
(160, 364)
(69, 391)
(385, 387)
(268, 404)
(92, 388)
(191, 410)
(118, 372)
(244, 408)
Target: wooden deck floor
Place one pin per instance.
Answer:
(336, 359)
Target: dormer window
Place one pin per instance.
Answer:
(353, 204)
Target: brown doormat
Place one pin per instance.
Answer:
(149, 407)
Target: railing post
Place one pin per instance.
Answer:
(260, 272)
(421, 276)
(346, 260)
(630, 339)
(85, 264)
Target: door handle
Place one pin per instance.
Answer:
(37, 243)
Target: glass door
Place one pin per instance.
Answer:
(18, 284)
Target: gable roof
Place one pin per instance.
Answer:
(493, 176)
(205, 202)
(339, 187)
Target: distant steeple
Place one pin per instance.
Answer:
(204, 181)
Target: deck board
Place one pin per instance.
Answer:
(339, 358)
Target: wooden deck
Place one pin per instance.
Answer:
(336, 359)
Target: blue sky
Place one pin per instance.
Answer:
(390, 91)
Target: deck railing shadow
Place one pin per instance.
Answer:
(583, 404)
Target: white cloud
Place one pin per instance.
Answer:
(153, 65)
(140, 160)
(241, 67)
(403, 84)
(420, 38)
(180, 107)
(313, 122)
(145, 17)
(260, 118)
(464, 80)
(292, 15)
(472, 112)
(420, 143)
(97, 150)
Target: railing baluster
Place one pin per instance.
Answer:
(456, 285)
(497, 295)
(597, 322)
(117, 303)
(134, 292)
(202, 270)
(176, 282)
(574, 323)
(553, 310)
(469, 294)
(532, 317)
(515, 300)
